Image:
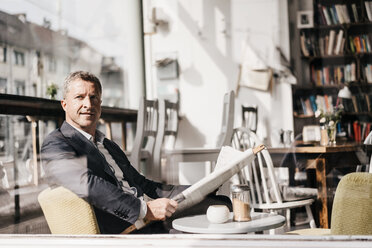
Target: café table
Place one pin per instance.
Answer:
(325, 159)
(200, 224)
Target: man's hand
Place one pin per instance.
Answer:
(160, 208)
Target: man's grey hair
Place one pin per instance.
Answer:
(83, 75)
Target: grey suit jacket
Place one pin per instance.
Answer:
(72, 161)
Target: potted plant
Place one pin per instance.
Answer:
(52, 91)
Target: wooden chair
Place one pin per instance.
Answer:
(351, 211)
(260, 176)
(146, 131)
(250, 117)
(166, 136)
(66, 213)
(175, 156)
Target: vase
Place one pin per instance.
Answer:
(332, 135)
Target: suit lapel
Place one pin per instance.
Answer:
(84, 146)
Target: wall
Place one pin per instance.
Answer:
(208, 38)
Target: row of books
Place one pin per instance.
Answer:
(358, 103)
(308, 105)
(329, 44)
(358, 131)
(333, 75)
(332, 44)
(360, 43)
(338, 14)
(368, 71)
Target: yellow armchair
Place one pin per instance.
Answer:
(351, 212)
(66, 213)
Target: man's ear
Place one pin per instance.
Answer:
(63, 104)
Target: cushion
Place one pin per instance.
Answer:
(352, 211)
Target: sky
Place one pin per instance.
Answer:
(82, 19)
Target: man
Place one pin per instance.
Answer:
(79, 157)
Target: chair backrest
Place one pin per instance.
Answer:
(250, 117)
(167, 134)
(224, 138)
(259, 175)
(351, 211)
(146, 130)
(66, 213)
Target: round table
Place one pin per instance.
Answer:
(200, 224)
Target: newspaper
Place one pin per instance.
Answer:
(229, 162)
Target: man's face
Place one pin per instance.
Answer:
(82, 105)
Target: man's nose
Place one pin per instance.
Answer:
(87, 102)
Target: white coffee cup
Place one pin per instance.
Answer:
(218, 214)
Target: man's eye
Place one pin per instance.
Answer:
(78, 97)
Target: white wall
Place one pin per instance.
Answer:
(207, 36)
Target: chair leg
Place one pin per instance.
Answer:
(288, 218)
(310, 216)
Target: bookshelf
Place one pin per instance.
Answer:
(334, 52)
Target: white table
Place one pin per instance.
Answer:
(200, 224)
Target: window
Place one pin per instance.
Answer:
(19, 58)
(19, 87)
(3, 88)
(3, 54)
(52, 64)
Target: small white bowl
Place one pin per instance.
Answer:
(218, 214)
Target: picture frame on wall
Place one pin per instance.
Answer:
(305, 19)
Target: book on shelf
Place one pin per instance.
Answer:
(352, 47)
(313, 103)
(321, 46)
(326, 15)
(326, 102)
(309, 110)
(368, 73)
(355, 12)
(332, 11)
(368, 102)
(322, 20)
(339, 41)
(345, 13)
(304, 49)
(355, 104)
(368, 10)
(368, 42)
(332, 35)
(357, 45)
(357, 133)
(342, 49)
(326, 43)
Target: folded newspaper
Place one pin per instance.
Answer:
(229, 162)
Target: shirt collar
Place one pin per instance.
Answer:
(99, 135)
